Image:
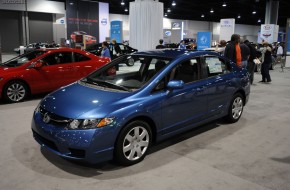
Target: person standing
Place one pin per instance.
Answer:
(233, 50)
(182, 45)
(267, 60)
(105, 51)
(116, 50)
(251, 64)
(160, 46)
(245, 51)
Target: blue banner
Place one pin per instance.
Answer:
(288, 48)
(116, 31)
(203, 40)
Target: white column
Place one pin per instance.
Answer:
(146, 24)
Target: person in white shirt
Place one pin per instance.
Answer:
(280, 60)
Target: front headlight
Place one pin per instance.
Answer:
(90, 123)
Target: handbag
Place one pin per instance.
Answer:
(257, 61)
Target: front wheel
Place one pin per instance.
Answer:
(236, 108)
(15, 91)
(133, 143)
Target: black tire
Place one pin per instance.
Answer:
(15, 91)
(236, 108)
(130, 63)
(131, 148)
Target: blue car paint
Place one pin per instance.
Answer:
(165, 109)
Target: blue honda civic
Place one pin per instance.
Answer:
(121, 109)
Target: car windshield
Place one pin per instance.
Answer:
(127, 73)
(22, 59)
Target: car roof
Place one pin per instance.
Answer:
(174, 53)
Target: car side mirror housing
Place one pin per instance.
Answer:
(175, 84)
(38, 64)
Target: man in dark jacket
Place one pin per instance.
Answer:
(115, 49)
(251, 64)
(233, 50)
(160, 46)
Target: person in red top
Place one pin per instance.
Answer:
(233, 50)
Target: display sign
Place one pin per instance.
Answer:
(116, 31)
(104, 24)
(83, 19)
(176, 25)
(269, 33)
(227, 29)
(203, 40)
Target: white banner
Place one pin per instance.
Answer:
(227, 29)
(269, 33)
(104, 24)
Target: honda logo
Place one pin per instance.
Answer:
(46, 118)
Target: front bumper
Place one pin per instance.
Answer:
(91, 145)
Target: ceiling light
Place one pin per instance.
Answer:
(168, 10)
(224, 4)
(202, 15)
(259, 20)
(239, 16)
(211, 11)
(165, 15)
(71, 3)
(254, 12)
(122, 3)
(173, 3)
(126, 10)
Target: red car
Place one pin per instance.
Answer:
(43, 71)
(89, 39)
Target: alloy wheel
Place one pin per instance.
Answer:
(16, 92)
(135, 143)
(237, 107)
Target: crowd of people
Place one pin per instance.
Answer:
(245, 53)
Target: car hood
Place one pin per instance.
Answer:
(77, 101)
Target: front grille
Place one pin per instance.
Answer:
(55, 119)
(45, 141)
(78, 153)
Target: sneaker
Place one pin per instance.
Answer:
(262, 81)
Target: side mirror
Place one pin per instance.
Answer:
(175, 84)
(38, 64)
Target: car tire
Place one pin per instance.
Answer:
(133, 143)
(130, 63)
(236, 108)
(15, 91)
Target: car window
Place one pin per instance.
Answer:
(80, 57)
(22, 59)
(216, 66)
(187, 71)
(122, 47)
(58, 58)
(128, 72)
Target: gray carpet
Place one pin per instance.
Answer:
(252, 154)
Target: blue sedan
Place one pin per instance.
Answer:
(119, 111)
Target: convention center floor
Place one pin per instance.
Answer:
(251, 154)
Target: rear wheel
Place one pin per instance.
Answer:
(133, 143)
(236, 108)
(15, 91)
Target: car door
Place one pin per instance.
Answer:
(82, 65)
(186, 106)
(58, 69)
(220, 87)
